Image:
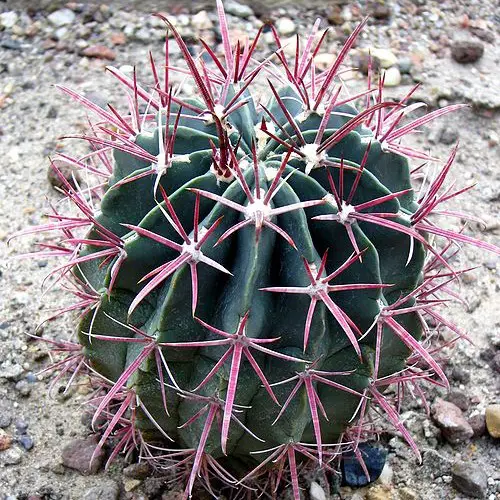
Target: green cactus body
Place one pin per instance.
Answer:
(257, 273)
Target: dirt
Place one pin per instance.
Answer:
(33, 116)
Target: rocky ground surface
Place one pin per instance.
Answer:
(451, 47)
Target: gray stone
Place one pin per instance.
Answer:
(449, 418)
(478, 424)
(238, 9)
(12, 456)
(470, 479)
(459, 398)
(435, 464)
(61, 17)
(78, 453)
(468, 51)
(285, 26)
(107, 491)
(8, 19)
(316, 491)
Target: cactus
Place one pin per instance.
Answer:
(251, 274)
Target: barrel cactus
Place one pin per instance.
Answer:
(252, 270)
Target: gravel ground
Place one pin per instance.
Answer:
(40, 46)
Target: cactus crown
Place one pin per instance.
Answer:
(258, 270)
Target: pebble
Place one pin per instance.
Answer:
(137, 471)
(316, 492)
(470, 479)
(238, 9)
(12, 456)
(478, 424)
(385, 57)
(23, 388)
(353, 474)
(21, 426)
(407, 494)
(493, 420)
(495, 362)
(5, 440)
(458, 398)
(285, 26)
(449, 418)
(108, 490)
(70, 173)
(77, 454)
(11, 372)
(392, 77)
(61, 17)
(381, 12)
(99, 52)
(435, 464)
(26, 442)
(465, 52)
(131, 484)
(379, 492)
(8, 19)
(201, 21)
(5, 420)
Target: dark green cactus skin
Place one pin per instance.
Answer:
(269, 262)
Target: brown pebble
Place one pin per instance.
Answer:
(99, 52)
(5, 440)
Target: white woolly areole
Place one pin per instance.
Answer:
(270, 173)
(311, 156)
(261, 136)
(345, 212)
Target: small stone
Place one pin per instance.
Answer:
(381, 12)
(459, 373)
(385, 57)
(435, 464)
(470, 479)
(352, 472)
(316, 492)
(465, 52)
(407, 494)
(386, 475)
(405, 65)
(137, 471)
(448, 135)
(285, 26)
(26, 442)
(379, 492)
(12, 456)
(392, 77)
(8, 19)
(69, 172)
(201, 21)
(5, 420)
(118, 39)
(99, 52)
(478, 424)
(23, 388)
(5, 440)
(107, 491)
(238, 9)
(11, 372)
(458, 398)
(449, 418)
(493, 420)
(77, 454)
(10, 44)
(61, 17)
(495, 362)
(131, 484)
(21, 426)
